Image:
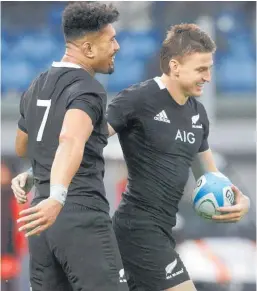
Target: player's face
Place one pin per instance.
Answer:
(193, 72)
(106, 48)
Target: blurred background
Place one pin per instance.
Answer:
(218, 256)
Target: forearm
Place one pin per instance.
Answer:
(197, 168)
(21, 152)
(21, 143)
(67, 161)
(203, 163)
(111, 131)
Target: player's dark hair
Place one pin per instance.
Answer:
(80, 18)
(182, 40)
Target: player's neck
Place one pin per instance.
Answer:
(174, 90)
(68, 57)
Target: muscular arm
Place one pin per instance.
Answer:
(70, 151)
(203, 163)
(21, 143)
(207, 161)
(110, 130)
(67, 160)
(121, 111)
(66, 145)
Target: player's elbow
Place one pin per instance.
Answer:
(21, 143)
(20, 151)
(111, 131)
(72, 141)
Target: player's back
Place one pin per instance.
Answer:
(43, 107)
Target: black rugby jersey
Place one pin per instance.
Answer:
(43, 106)
(159, 139)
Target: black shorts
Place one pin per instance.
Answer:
(148, 255)
(78, 252)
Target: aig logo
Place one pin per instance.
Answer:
(185, 136)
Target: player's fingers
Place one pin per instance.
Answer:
(224, 217)
(22, 180)
(21, 201)
(17, 189)
(35, 231)
(230, 209)
(38, 230)
(18, 195)
(32, 224)
(236, 192)
(235, 189)
(228, 221)
(31, 217)
(29, 210)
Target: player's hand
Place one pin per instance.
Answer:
(236, 212)
(18, 187)
(38, 218)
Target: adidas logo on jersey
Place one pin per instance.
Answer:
(162, 116)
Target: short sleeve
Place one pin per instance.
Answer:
(91, 103)
(205, 145)
(121, 110)
(22, 122)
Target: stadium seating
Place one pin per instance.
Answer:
(25, 53)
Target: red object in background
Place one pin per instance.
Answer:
(120, 188)
(13, 242)
(10, 263)
(20, 241)
(10, 267)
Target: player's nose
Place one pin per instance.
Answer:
(207, 76)
(117, 46)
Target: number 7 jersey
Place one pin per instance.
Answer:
(43, 106)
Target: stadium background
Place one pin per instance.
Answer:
(218, 257)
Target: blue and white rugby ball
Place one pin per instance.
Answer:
(212, 190)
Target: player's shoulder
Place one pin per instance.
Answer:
(40, 78)
(88, 83)
(35, 84)
(140, 90)
(76, 79)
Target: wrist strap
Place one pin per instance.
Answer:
(30, 172)
(59, 193)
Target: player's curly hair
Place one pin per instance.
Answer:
(82, 17)
(184, 39)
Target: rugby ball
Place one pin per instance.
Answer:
(212, 190)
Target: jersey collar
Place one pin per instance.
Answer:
(159, 82)
(65, 65)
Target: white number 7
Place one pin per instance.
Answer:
(47, 104)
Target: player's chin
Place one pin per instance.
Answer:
(111, 69)
(197, 93)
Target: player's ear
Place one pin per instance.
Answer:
(174, 67)
(88, 49)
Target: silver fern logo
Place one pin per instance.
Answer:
(170, 268)
(195, 119)
(122, 276)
